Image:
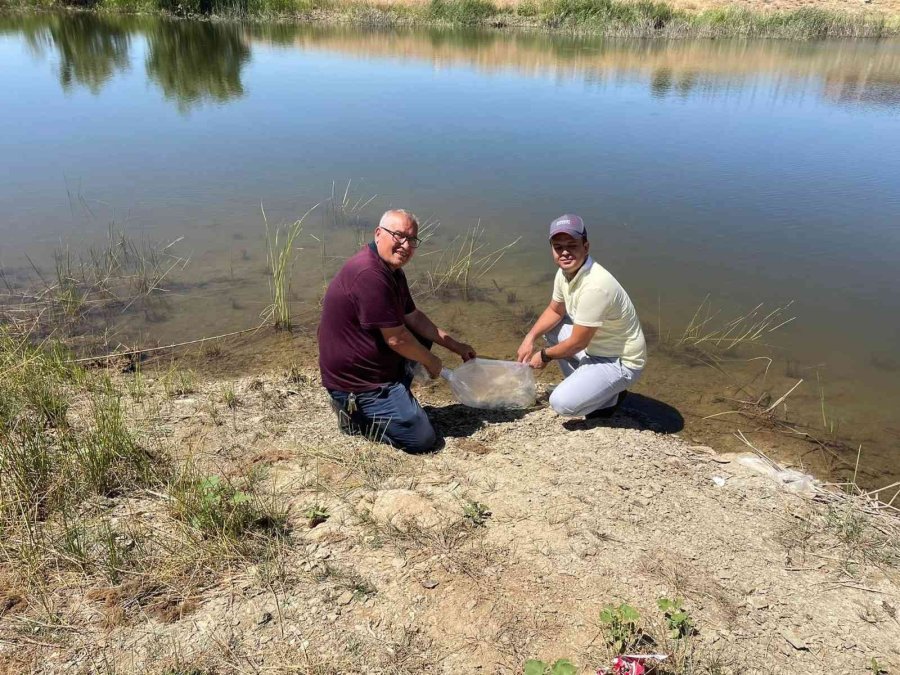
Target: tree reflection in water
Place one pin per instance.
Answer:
(91, 48)
(194, 62)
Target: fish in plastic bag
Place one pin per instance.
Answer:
(492, 384)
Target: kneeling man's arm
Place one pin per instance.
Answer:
(548, 319)
(418, 321)
(579, 339)
(405, 344)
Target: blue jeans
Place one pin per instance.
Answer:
(389, 414)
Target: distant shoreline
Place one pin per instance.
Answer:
(613, 18)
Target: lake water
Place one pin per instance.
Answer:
(749, 171)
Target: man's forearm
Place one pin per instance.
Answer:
(407, 346)
(425, 327)
(547, 320)
(564, 349)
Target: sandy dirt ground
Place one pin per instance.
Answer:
(573, 516)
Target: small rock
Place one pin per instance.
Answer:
(429, 583)
(345, 598)
(401, 508)
(757, 602)
(794, 641)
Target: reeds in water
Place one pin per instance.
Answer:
(120, 274)
(704, 332)
(280, 247)
(464, 263)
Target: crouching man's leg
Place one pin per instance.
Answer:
(563, 331)
(594, 385)
(389, 414)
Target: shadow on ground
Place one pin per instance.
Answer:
(459, 421)
(637, 412)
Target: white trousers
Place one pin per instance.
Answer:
(591, 382)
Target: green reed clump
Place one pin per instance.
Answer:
(68, 454)
(804, 23)
(108, 458)
(608, 14)
(461, 12)
(280, 251)
(64, 444)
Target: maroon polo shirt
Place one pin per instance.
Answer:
(365, 296)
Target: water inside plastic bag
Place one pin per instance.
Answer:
(492, 384)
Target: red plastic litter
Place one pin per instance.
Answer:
(631, 664)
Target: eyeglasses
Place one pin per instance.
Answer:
(403, 238)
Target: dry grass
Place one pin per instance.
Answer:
(86, 500)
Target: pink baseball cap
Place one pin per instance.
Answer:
(568, 223)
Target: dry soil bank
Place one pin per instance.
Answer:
(400, 580)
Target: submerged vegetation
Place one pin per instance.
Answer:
(606, 17)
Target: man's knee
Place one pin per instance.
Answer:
(564, 403)
(415, 434)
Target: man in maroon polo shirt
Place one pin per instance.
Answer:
(370, 336)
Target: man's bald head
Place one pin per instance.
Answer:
(395, 218)
(393, 236)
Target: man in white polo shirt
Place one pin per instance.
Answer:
(591, 329)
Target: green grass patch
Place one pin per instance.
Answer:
(461, 12)
(602, 17)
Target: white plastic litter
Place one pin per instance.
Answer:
(790, 479)
(492, 384)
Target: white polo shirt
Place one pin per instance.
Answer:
(594, 299)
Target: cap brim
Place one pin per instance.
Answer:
(567, 230)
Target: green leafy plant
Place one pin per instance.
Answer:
(316, 514)
(559, 667)
(476, 513)
(214, 506)
(229, 397)
(620, 625)
(875, 667)
(678, 621)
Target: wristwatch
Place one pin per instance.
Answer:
(544, 357)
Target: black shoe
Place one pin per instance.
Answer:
(606, 413)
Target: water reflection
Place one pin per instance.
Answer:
(197, 62)
(91, 48)
(193, 62)
(862, 72)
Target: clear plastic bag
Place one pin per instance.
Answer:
(491, 384)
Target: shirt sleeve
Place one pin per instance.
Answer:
(557, 288)
(377, 302)
(592, 307)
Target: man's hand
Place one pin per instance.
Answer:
(537, 362)
(466, 352)
(434, 366)
(526, 349)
